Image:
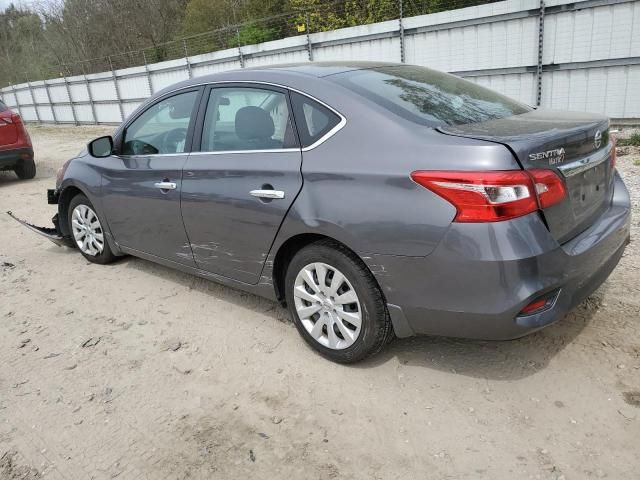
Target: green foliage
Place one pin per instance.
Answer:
(323, 15)
(633, 140)
(370, 11)
(251, 34)
(205, 15)
(21, 37)
(70, 37)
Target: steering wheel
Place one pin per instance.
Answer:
(172, 140)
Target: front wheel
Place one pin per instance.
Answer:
(87, 231)
(336, 303)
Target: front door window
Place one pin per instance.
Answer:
(162, 129)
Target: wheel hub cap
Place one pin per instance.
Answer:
(327, 305)
(87, 231)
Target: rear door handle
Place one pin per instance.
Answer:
(165, 185)
(267, 193)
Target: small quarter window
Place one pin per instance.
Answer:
(246, 119)
(313, 120)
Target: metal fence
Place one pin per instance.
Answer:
(320, 17)
(570, 55)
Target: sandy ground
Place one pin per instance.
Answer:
(137, 371)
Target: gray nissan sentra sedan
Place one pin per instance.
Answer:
(375, 200)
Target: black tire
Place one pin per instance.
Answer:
(102, 258)
(376, 329)
(26, 169)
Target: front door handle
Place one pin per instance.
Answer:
(166, 185)
(267, 193)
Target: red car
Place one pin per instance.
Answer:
(16, 151)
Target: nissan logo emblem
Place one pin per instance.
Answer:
(597, 140)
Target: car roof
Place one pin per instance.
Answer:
(324, 69)
(289, 74)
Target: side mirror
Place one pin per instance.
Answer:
(101, 147)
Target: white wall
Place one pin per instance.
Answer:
(591, 59)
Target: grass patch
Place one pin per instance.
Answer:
(633, 140)
(636, 163)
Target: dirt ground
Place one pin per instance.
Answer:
(137, 371)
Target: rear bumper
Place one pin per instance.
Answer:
(475, 283)
(11, 158)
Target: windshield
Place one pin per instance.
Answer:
(428, 97)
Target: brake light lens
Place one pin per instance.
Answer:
(493, 196)
(22, 131)
(549, 187)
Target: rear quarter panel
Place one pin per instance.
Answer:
(357, 185)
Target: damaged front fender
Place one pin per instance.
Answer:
(49, 233)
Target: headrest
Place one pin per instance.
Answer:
(254, 123)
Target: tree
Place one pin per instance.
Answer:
(22, 38)
(94, 35)
(230, 22)
(87, 29)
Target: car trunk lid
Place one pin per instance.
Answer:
(574, 145)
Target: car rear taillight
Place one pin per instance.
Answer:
(482, 196)
(494, 196)
(22, 130)
(549, 187)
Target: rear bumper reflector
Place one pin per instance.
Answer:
(540, 304)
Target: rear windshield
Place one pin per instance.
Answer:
(428, 97)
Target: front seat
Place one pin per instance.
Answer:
(254, 126)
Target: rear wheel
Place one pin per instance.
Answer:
(87, 231)
(336, 303)
(26, 169)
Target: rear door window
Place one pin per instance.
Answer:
(246, 119)
(3, 107)
(313, 120)
(429, 97)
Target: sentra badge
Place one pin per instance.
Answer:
(554, 156)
